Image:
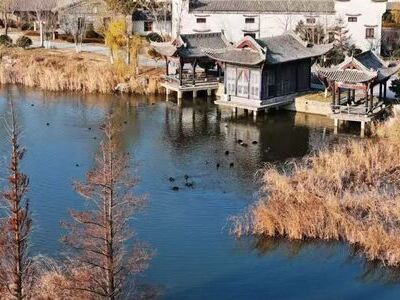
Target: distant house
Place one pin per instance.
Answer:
(91, 10)
(266, 72)
(264, 18)
(145, 22)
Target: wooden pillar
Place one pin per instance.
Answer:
(218, 72)
(338, 98)
(166, 66)
(362, 134)
(385, 91)
(366, 97)
(354, 95)
(180, 71)
(255, 115)
(194, 72)
(371, 103)
(348, 96)
(334, 95)
(336, 125)
(380, 91)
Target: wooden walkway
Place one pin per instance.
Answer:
(357, 113)
(208, 84)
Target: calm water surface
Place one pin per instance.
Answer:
(195, 256)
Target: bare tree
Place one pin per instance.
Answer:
(160, 12)
(100, 264)
(44, 15)
(7, 8)
(15, 264)
(179, 7)
(75, 24)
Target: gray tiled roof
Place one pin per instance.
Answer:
(266, 6)
(191, 45)
(348, 76)
(272, 50)
(236, 56)
(368, 66)
(285, 48)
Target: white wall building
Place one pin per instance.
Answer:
(264, 18)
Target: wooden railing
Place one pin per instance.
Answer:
(188, 79)
(359, 110)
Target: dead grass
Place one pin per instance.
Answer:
(349, 193)
(57, 70)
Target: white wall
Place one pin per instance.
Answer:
(369, 13)
(161, 27)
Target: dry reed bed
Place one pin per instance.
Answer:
(348, 193)
(68, 71)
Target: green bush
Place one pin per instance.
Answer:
(24, 42)
(5, 40)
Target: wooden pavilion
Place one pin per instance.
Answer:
(360, 73)
(188, 50)
(267, 72)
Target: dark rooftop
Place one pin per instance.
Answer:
(266, 6)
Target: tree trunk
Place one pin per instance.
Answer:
(41, 34)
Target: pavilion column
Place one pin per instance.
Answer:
(354, 95)
(194, 72)
(366, 97)
(348, 96)
(334, 95)
(384, 86)
(371, 103)
(380, 91)
(338, 98)
(180, 72)
(166, 66)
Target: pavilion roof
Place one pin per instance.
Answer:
(363, 68)
(191, 45)
(272, 50)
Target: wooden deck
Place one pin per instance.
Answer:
(357, 113)
(205, 83)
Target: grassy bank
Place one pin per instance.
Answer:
(349, 193)
(57, 70)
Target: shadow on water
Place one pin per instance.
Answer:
(370, 271)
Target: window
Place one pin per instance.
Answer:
(148, 26)
(370, 33)
(201, 20)
(243, 83)
(311, 21)
(255, 82)
(352, 19)
(253, 35)
(250, 20)
(231, 81)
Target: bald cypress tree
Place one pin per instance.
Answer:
(15, 263)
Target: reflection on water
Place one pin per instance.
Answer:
(196, 258)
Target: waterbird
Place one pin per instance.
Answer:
(48, 124)
(218, 165)
(244, 144)
(175, 188)
(189, 184)
(186, 177)
(32, 104)
(76, 165)
(171, 179)
(226, 152)
(231, 165)
(254, 142)
(240, 141)
(125, 122)
(90, 128)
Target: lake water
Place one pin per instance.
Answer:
(196, 258)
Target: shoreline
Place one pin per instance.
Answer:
(64, 71)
